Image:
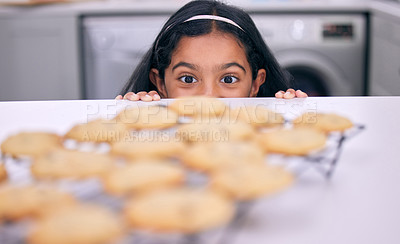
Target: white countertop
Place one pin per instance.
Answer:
(382, 7)
(389, 9)
(359, 204)
(170, 6)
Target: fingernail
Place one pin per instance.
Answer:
(132, 97)
(287, 93)
(156, 96)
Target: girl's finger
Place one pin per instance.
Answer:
(279, 94)
(119, 97)
(144, 96)
(291, 90)
(300, 93)
(154, 95)
(290, 93)
(131, 96)
(127, 95)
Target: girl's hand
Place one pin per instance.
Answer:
(290, 93)
(153, 95)
(143, 96)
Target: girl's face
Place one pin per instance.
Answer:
(212, 65)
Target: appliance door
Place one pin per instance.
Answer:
(314, 73)
(113, 47)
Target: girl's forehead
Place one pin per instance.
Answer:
(214, 36)
(215, 45)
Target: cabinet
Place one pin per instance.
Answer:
(39, 58)
(385, 56)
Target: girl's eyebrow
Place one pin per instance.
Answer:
(184, 64)
(192, 66)
(225, 66)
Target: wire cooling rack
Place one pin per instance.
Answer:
(324, 162)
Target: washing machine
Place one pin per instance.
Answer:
(325, 53)
(113, 46)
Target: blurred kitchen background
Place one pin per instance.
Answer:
(63, 49)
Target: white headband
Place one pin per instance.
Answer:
(205, 17)
(213, 17)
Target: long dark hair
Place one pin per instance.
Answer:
(258, 54)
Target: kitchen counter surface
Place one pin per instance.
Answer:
(359, 204)
(385, 7)
(389, 9)
(169, 6)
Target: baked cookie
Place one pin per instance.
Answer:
(198, 106)
(100, 130)
(157, 147)
(3, 172)
(248, 182)
(18, 202)
(64, 163)
(79, 224)
(296, 141)
(142, 176)
(257, 116)
(214, 131)
(30, 144)
(183, 210)
(148, 117)
(212, 156)
(326, 122)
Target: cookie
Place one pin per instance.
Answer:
(296, 141)
(143, 176)
(80, 224)
(148, 117)
(215, 131)
(179, 210)
(326, 122)
(198, 106)
(30, 144)
(212, 156)
(257, 116)
(163, 146)
(248, 182)
(17, 202)
(3, 172)
(100, 130)
(64, 163)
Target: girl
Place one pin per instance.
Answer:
(208, 48)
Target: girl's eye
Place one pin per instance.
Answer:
(188, 79)
(229, 79)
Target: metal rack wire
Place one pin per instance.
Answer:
(324, 162)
